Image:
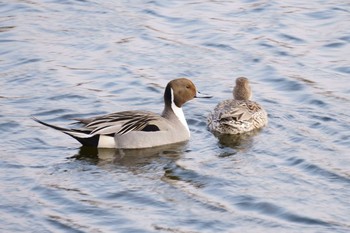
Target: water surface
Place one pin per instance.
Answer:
(66, 59)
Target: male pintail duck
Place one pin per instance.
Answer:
(238, 115)
(139, 129)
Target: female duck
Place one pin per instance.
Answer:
(238, 115)
(138, 129)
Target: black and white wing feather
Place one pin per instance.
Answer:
(120, 122)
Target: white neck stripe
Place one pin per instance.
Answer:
(178, 112)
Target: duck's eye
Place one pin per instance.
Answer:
(188, 86)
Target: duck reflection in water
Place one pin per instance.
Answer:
(238, 142)
(131, 157)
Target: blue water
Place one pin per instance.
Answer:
(65, 59)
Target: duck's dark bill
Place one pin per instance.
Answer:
(200, 95)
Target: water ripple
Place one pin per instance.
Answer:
(251, 204)
(67, 59)
(313, 169)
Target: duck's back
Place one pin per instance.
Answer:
(236, 116)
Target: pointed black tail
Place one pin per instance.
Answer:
(81, 136)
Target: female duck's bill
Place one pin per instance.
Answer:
(139, 129)
(238, 115)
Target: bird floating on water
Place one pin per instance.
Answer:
(139, 129)
(238, 115)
